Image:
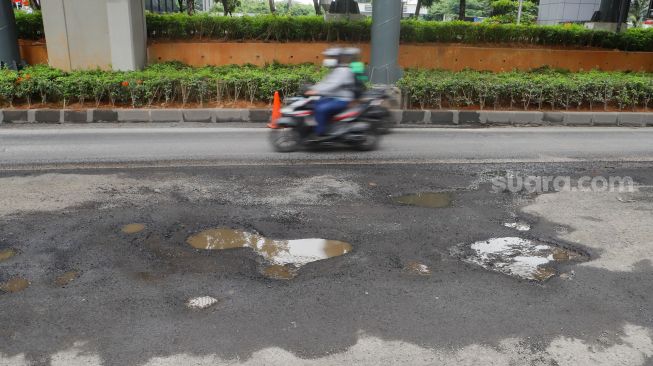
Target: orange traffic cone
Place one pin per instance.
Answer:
(276, 111)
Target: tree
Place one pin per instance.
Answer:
(639, 11)
(461, 9)
(180, 3)
(35, 4)
(297, 9)
(505, 11)
(254, 7)
(228, 6)
(272, 6)
(190, 5)
(451, 8)
(424, 3)
(344, 7)
(316, 5)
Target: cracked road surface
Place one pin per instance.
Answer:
(96, 267)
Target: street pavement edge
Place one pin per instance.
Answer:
(436, 118)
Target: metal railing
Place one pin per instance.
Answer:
(162, 6)
(172, 6)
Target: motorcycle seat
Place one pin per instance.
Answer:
(348, 113)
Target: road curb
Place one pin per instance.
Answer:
(435, 118)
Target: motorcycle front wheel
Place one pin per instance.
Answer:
(285, 139)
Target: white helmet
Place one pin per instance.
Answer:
(333, 52)
(351, 51)
(331, 57)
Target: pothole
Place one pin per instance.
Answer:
(426, 199)
(132, 228)
(279, 272)
(15, 284)
(6, 254)
(284, 256)
(201, 302)
(149, 276)
(519, 225)
(66, 278)
(518, 257)
(418, 268)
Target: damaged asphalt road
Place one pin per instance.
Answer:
(141, 295)
(285, 262)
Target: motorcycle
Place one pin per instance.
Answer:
(359, 126)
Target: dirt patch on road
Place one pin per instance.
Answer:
(634, 347)
(314, 190)
(54, 192)
(617, 226)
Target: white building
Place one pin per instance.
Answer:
(565, 11)
(207, 4)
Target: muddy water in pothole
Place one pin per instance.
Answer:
(15, 284)
(278, 272)
(418, 268)
(66, 278)
(426, 199)
(279, 253)
(133, 228)
(6, 254)
(518, 257)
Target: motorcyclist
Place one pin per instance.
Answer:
(336, 88)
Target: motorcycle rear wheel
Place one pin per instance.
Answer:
(285, 139)
(371, 141)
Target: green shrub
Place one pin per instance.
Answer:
(159, 84)
(544, 88)
(29, 26)
(8, 88)
(175, 83)
(261, 28)
(313, 28)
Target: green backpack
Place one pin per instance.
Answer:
(360, 78)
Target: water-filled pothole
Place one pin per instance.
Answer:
(518, 225)
(6, 254)
(284, 256)
(132, 228)
(201, 302)
(15, 284)
(279, 272)
(518, 257)
(426, 199)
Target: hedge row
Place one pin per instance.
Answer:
(538, 89)
(29, 26)
(159, 84)
(314, 28)
(169, 83)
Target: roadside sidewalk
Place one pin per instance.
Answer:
(422, 118)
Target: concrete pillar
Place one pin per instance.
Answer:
(91, 34)
(386, 25)
(127, 34)
(9, 52)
